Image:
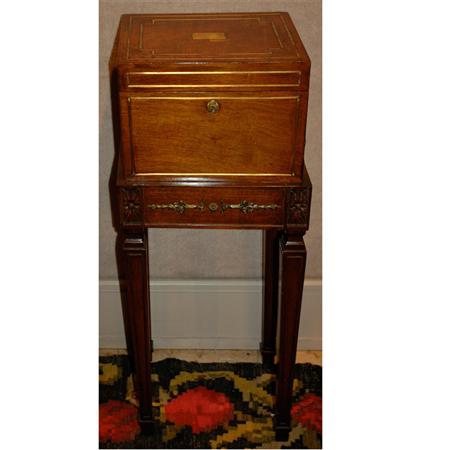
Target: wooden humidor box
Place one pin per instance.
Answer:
(210, 99)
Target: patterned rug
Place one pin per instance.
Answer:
(207, 405)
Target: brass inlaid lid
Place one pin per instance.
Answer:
(209, 37)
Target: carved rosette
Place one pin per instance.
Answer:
(298, 207)
(131, 205)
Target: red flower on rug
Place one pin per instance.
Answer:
(308, 412)
(200, 408)
(118, 421)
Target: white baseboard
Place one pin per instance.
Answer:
(207, 314)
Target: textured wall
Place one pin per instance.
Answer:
(212, 253)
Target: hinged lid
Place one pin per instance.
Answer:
(208, 39)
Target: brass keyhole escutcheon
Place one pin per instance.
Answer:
(213, 207)
(213, 106)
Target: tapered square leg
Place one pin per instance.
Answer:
(135, 258)
(293, 260)
(123, 283)
(271, 249)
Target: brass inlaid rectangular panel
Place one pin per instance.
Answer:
(209, 36)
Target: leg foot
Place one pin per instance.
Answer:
(282, 432)
(268, 356)
(147, 427)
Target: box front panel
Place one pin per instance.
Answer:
(226, 135)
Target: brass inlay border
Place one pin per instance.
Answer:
(206, 17)
(147, 86)
(289, 34)
(223, 98)
(216, 72)
(130, 21)
(200, 175)
(200, 55)
(141, 32)
(297, 117)
(200, 16)
(133, 165)
(276, 34)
